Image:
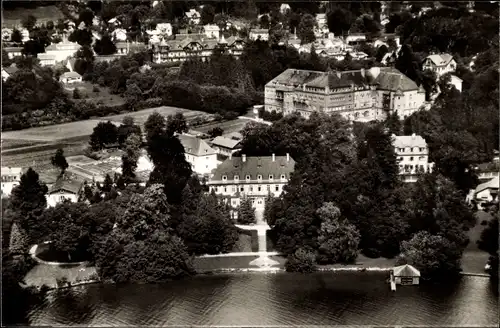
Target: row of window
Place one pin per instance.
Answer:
(415, 149)
(420, 158)
(242, 188)
(248, 178)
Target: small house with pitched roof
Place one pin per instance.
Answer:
(487, 192)
(440, 64)
(8, 71)
(65, 188)
(199, 154)
(405, 275)
(226, 146)
(70, 77)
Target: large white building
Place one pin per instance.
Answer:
(64, 189)
(199, 154)
(360, 95)
(412, 156)
(11, 176)
(486, 192)
(62, 50)
(252, 177)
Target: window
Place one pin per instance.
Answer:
(259, 188)
(234, 202)
(268, 187)
(225, 189)
(422, 158)
(233, 189)
(422, 149)
(282, 177)
(224, 178)
(247, 177)
(207, 156)
(236, 178)
(270, 176)
(251, 188)
(242, 189)
(411, 158)
(277, 188)
(216, 189)
(259, 177)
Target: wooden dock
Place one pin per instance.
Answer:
(393, 285)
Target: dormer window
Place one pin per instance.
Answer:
(247, 178)
(270, 176)
(259, 177)
(236, 178)
(282, 177)
(224, 177)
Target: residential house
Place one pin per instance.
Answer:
(412, 156)
(62, 50)
(252, 177)
(65, 189)
(124, 48)
(456, 82)
(70, 78)
(8, 71)
(259, 34)
(119, 34)
(486, 192)
(284, 8)
(114, 22)
(11, 176)
(488, 171)
(193, 16)
(359, 95)
(355, 39)
(13, 52)
(199, 154)
(46, 59)
(440, 64)
(6, 34)
(212, 31)
(226, 146)
(321, 19)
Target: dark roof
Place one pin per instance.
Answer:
(195, 146)
(387, 79)
(254, 166)
(225, 142)
(66, 184)
(11, 69)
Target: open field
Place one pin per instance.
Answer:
(100, 97)
(229, 126)
(141, 116)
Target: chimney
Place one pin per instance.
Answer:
(363, 72)
(274, 158)
(287, 157)
(338, 74)
(243, 158)
(375, 71)
(413, 136)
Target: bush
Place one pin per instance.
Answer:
(484, 222)
(372, 253)
(76, 94)
(96, 89)
(303, 261)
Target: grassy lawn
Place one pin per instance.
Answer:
(229, 126)
(247, 242)
(43, 274)
(474, 259)
(214, 263)
(94, 93)
(44, 14)
(141, 116)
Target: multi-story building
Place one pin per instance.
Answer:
(199, 154)
(13, 52)
(193, 46)
(252, 177)
(361, 95)
(412, 156)
(62, 50)
(259, 34)
(212, 31)
(10, 178)
(440, 64)
(226, 146)
(65, 189)
(46, 59)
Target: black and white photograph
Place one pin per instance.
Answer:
(250, 163)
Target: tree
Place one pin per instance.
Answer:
(207, 14)
(84, 59)
(131, 156)
(104, 133)
(16, 36)
(306, 29)
(58, 160)
(155, 125)
(86, 16)
(339, 21)
(28, 198)
(246, 212)
(268, 203)
(434, 256)
(303, 261)
(82, 37)
(32, 48)
(29, 22)
(127, 129)
(19, 242)
(108, 184)
(338, 239)
(105, 46)
(176, 123)
(264, 22)
(215, 132)
(489, 237)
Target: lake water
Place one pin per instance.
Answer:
(324, 298)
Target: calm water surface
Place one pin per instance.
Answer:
(274, 299)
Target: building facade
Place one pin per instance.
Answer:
(226, 146)
(412, 156)
(361, 95)
(64, 190)
(440, 64)
(252, 177)
(199, 154)
(11, 176)
(486, 192)
(259, 34)
(62, 50)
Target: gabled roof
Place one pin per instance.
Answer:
(195, 146)
(10, 69)
(45, 56)
(492, 184)
(409, 141)
(73, 75)
(225, 142)
(441, 59)
(254, 166)
(406, 271)
(68, 185)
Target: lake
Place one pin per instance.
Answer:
(325, 298)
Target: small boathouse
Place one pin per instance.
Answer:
(405, 275)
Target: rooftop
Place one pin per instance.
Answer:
(253, 166)
(225, 142)
(71, 75)
(386, 78)
(66, 184)
(195, 146)
(11, 170)
(10, 69)
(406, 271)
(440, 59)
(409, 141)
(492, 184)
